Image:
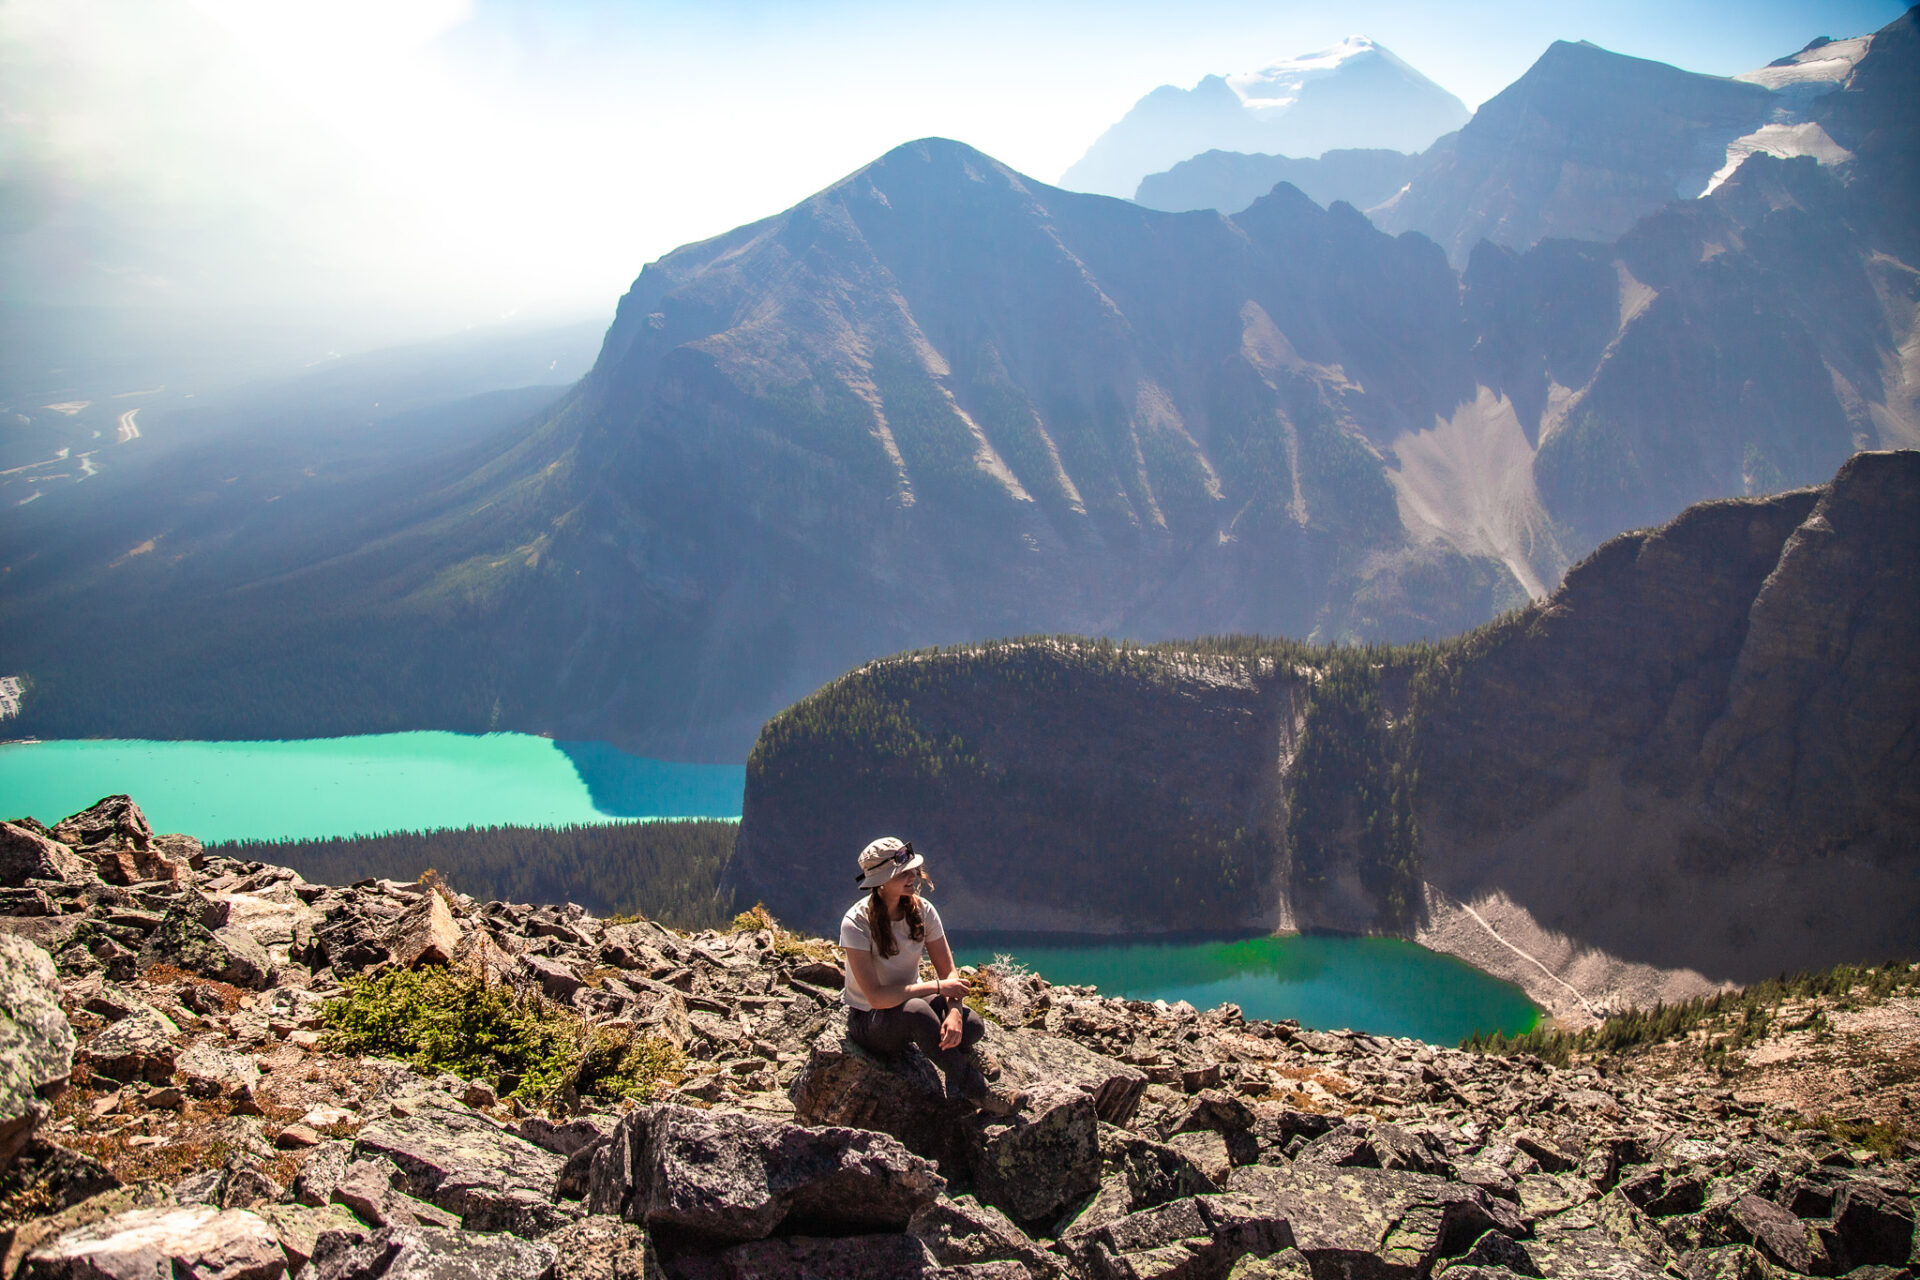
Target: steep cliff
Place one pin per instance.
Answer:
(1698, 757)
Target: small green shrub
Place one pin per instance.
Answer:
(456, 1021)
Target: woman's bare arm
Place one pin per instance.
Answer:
(861, 972)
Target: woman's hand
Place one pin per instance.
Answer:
(953, 988)
(950, 1027)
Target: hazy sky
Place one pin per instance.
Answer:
(483, 156)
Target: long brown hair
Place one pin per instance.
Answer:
(880, 929)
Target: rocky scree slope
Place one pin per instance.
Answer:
(1694, 763)
(208, 1128)
(940, 401)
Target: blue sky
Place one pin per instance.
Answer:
(503, 155)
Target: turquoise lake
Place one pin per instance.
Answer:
(367, 785)
(1380, 985)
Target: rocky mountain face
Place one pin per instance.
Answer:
(191, 1113)
(1231, 180)
(940, 402)
(1581, 147)
(1694, 762)
(1356, 94)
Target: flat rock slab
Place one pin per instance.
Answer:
(156, 1244)
(36, 1042)
(1374, 1224)
(452, 1156)
(722, 1176)
(429, 1253)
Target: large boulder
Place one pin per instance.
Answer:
(452, 1156)
(731, 1176)
(430, 1253)
(1035, 1061)
(962, 1230)
(115, 838)
(1874, 1225)
(27, 855)
(425, 933)
(1040, 1161)
(138, 1047)
(36, 1042)
(152, 1244)
(1374, 1224)
(223, 953)
(1198, 1238)
(845, 1085)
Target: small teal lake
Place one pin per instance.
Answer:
(322, 787)
(1379, 985)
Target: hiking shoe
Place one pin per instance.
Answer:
(985, 1059)
(1001, 1099)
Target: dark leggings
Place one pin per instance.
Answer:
(916, 1022)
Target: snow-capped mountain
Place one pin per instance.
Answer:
(1354, 94)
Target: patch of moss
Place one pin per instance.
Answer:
(453, 1020)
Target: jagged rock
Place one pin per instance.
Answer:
(29, 1236)
(224, 954)
(1374, 1222)
(27, 855)
(1214, 1109)
(430, 1253)
(457, 1159)
(1152, 1173)
(1034, 1061)
(367, 1188)
(425, 933)
(141, 1244)
(804, 1258)
(1587, 1251)
(139, 1047)
(36, 1042)
(962, 1230)
(209, 1071)
(844, 1084)
(731, 1176)
(1495, 1249)
(114, 837)
(1287, 1264)
(1198, 1238)
(320, 1173)
(298, 1228)
(1875, 1227)
(1206, 1149)
(1037, 1162)
(556, 980)
(602, 1248)
(238, 1184)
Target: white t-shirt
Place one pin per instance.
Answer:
(898, 969)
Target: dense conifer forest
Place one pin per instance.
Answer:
(666, 870)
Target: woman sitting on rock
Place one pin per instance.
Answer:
(888, 1007)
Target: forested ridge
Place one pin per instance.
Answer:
(665, 869)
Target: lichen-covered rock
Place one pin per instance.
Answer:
(36, 1042)
(730, 1176)
(1034, 1061)
(1041, 1160)
(224, 953)
(27, 855)
(153, 1244)
(602, 1247)
(962, 1230)
(1875, 1226)
(138, 1047)
(113, 835)
(1199, 1238)
(844, 1084)
(451, 1156)
(430, 1253)
(209, 1070)
(1374, 1222)
(298, 1228)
